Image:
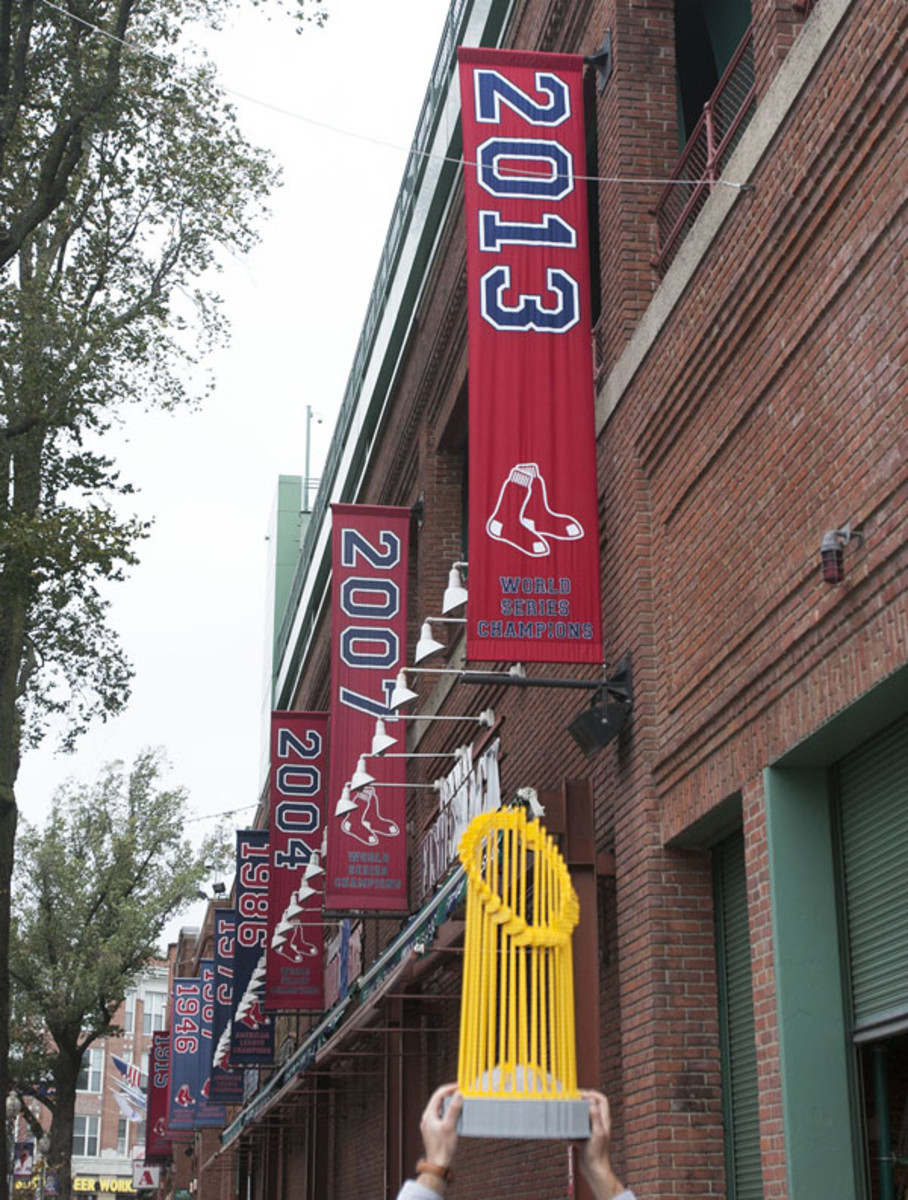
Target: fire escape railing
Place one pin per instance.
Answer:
(725, 116)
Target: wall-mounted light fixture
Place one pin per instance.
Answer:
(427, 645)
(455, 592)
(832, 552)
(609, 709)
(382, 740)
(348, 804)
(362, 777)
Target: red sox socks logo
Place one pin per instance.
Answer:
(184, 1096)
(366, 823)
(523, 517)
(296, 948)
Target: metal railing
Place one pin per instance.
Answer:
(725, 117)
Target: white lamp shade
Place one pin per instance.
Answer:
(313, 867)
(381, 740)
(303, 892)
(345, 804)
(401, 694)
(361, 777)
(427, 645)
(455, 592)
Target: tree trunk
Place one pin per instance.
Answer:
(11, 644)
(60, 1151)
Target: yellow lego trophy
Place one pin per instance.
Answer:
(517, 1065)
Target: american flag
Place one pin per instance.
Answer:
(130, 1071)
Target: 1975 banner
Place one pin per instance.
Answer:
(533, 516)
(367, 844)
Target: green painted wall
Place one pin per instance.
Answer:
(813, 1040)
(286, 535)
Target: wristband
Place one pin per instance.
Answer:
(427, 1168)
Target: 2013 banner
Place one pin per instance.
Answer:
(534, 588)
(251, 1029)
(367, 844)
(294, 980)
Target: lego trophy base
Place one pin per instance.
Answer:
(518, 1118)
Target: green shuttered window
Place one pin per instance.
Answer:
(744, 1175)
(873, 796)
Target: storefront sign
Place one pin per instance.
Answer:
(299, 777)
(144, 1175)
(102, 1183)
(533, 513)
(367, 845)
(471, 788)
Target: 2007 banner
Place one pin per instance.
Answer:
(367, 841)
(534, 588)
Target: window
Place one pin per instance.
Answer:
(129, 1018)
(85, 1137)
(153, 1012)
(122, 1136)
(707, 33)
(92, 1067)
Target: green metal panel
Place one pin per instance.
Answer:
(873, 790)
(744, 1174)
(820, 1143)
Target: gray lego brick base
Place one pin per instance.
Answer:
(561, 1119)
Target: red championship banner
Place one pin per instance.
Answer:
(299, 764)
(158, 1146)
(533, 516)
(366, 864)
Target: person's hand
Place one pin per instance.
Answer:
(439, 1125)
(596, 1161)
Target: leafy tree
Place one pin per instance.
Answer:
(123, 178)
(94, 889)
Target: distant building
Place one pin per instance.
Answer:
(106, 1137)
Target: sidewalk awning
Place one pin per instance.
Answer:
(391, 966)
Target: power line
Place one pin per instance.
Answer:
(374, 141)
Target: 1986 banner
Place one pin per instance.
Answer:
(367, 844)
(533, 516)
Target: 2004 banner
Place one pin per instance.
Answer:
(533, 517)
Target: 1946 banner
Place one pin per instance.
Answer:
(295, 970)
(533, 518)
(367, 851)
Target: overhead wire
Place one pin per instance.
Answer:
(382, 142)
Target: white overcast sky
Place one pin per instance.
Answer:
(191, 616)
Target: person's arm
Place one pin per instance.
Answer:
(596, 1161)
(439, 1136)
